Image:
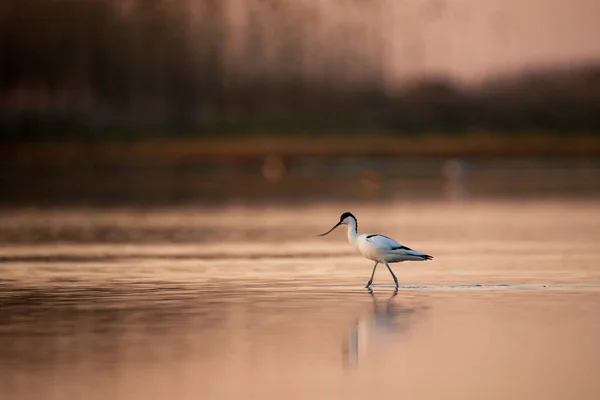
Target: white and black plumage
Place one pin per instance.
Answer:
(378, 248)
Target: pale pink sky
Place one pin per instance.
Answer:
(470, 39)
(462, 39)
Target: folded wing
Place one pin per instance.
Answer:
(389, 245)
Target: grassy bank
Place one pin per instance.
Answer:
(186, 149)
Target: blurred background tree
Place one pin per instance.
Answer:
(100, 68)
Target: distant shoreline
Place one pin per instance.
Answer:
(187, 149)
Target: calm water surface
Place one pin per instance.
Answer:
(246, 303)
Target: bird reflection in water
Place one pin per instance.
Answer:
(380, 324)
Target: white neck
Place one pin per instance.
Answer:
(352, 231)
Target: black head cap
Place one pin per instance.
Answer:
(346, 214)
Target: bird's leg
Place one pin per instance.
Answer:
(372, 275)
(394, 276)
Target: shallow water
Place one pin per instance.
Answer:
(245, 302)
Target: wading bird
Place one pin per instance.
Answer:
(378, 248)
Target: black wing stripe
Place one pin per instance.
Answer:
(393, 248)
(377, 234)
(402, 248)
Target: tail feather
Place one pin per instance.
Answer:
(420, 255)
(404, 253)
(415, 253)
